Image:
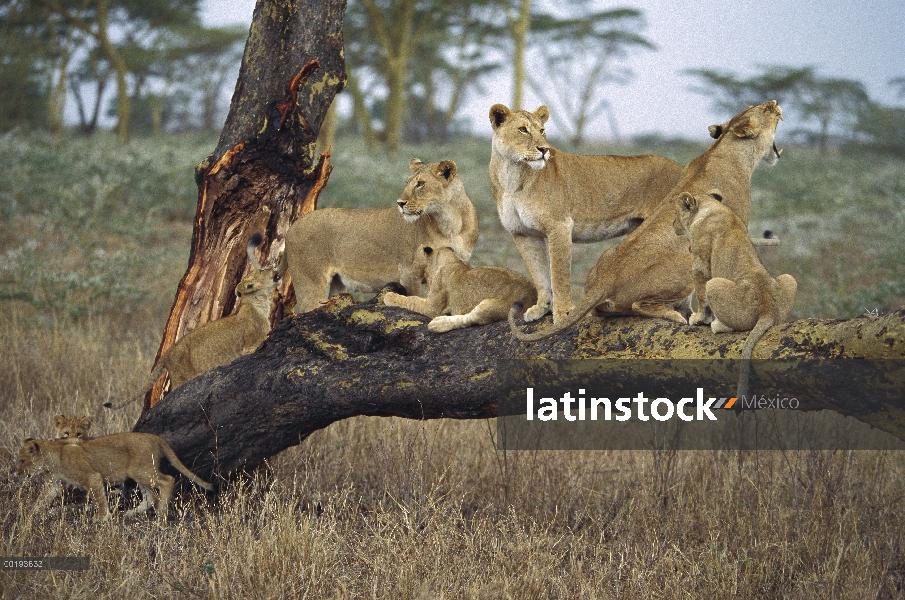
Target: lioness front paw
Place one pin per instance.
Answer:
(442, 324)
(701, 318)
(392, 299)
(536, 312)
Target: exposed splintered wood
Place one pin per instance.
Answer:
(262, 175)
(363, 359)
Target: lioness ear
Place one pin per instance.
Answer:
(543, 113)
(416, 164)
(86, 422)
(58, 420)
(747, 128)
(686, 202)
(715, 131)
(716, 194)
(447, 170)
(498, 115)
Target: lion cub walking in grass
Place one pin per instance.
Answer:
(224, 340)
(735, 292)
(111, 459)
(462, 296)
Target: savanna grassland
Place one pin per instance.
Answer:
(94, 236)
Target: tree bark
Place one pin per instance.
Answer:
(261, 176)
(346, 359)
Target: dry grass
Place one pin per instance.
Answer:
(388, 508)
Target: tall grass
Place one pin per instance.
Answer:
(390, 508)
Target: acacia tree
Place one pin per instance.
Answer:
(262, 174)
(571, 82)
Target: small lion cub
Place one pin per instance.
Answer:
(73, 429)
(222, 341)
(735, 292)
(462, 296)
(111, 459)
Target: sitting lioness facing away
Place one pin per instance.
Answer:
(222, 341)
(462, 296)
(72, 428)
(332, 250)
(548, 199)
(649, 272)
(735, 292)
(111, 459)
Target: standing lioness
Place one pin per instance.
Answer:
(548, 199)
(361, 250)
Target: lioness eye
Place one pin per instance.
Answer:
(419, 184)
(523, 129)
(543, 132)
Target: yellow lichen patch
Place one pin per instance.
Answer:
(482, 375)
(349, 383)
(401, 324)
(334, 351)
(334, 304)
(317, 88)
(366, 316)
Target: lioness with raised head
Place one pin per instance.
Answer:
(72, 428)
(734, 291)
(111, 459)
(332, 250)
(650, 270)
(222, 341)
(548, 199)
(462, 296)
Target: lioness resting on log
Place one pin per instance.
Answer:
(333, 250)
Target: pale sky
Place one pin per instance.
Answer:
(865, 43)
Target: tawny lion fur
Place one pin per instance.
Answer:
(734, 291)
(649, 272)
(72, 428)
(111, 459)
(222, 341)
(548, 199)
(332, 250)
(462, 296)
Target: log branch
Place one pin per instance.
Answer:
(366, 359)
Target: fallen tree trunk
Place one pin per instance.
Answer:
(363, 359)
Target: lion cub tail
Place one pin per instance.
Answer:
(174, 460)
(764, 323)
(156, 372)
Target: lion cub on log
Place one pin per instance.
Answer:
(111, 459)
(735, 292)
(332, 250)
(222, 341)
(462, 296)
(74, 429)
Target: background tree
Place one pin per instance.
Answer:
(580, 57)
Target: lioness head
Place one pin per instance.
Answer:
(687, 207)
(259, 278)
(519, 135)
(756, 123)
(426, 188)
(75, 428)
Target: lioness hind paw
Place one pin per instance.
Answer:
(700, 318)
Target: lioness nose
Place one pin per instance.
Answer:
(401, 203)
(543, 150)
